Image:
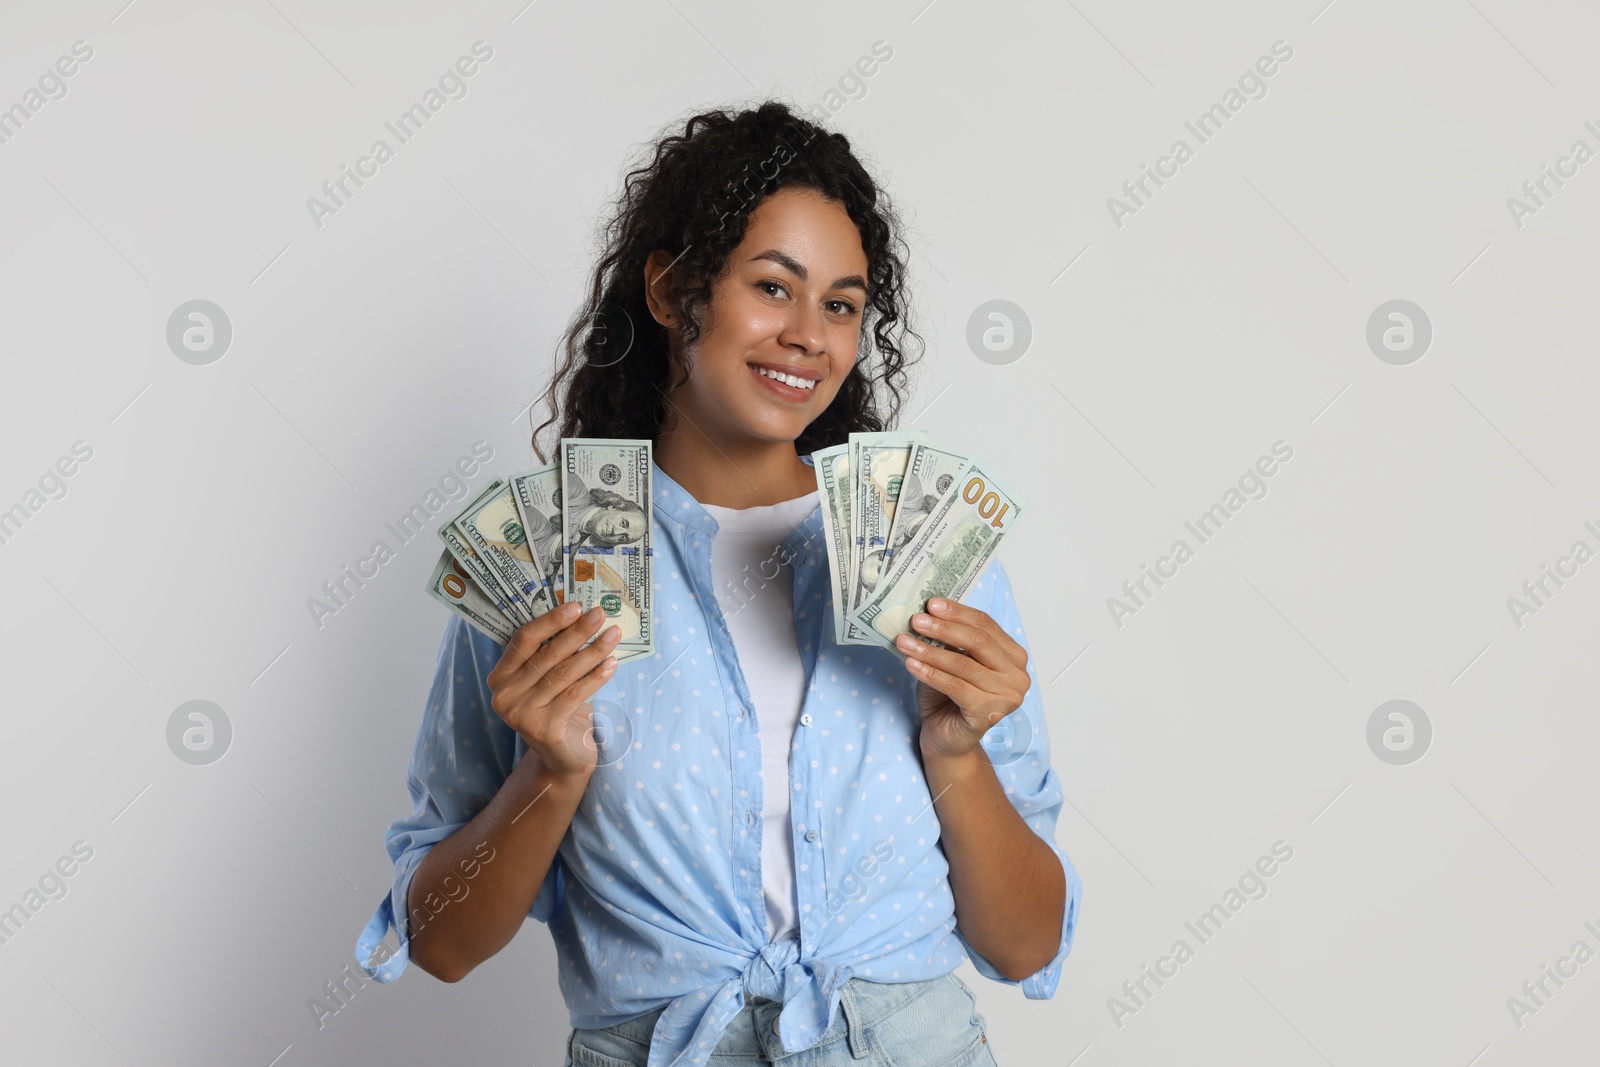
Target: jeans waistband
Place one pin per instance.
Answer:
(753, 1031)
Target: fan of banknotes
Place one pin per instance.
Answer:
(904, 522)
(577, 529)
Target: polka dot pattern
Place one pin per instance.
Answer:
(655, 896)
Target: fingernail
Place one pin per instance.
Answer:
(914, 664)
(612, 633)
(921, 620)
(906, 641)
(595, 614)
(609, 665)
(570, 609)
(938, 603)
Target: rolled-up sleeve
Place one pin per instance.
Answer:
(463, 754)
(1019, 747)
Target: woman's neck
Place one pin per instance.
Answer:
(732, 474)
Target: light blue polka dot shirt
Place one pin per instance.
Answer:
(655, 898)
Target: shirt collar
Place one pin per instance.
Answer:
(683, 518)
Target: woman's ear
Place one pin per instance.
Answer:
(658, 287)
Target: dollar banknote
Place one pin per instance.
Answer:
(929, 474)
(605, 516)
(473, 564)
(453, 587)
(832, 466)
(493, 526)
(537, 494)
(955, 543)
(904, 521)
(877, 466)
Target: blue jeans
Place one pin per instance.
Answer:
(911, 1024)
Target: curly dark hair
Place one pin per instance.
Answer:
(693, 197)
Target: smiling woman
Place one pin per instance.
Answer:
(778, 351)
(669, 251)
(768, 843)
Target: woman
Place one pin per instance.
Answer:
(756, 841)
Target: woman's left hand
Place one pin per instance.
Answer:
(963, 689)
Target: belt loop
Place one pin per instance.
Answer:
(854, 1030)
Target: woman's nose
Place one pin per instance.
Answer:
(803, 329)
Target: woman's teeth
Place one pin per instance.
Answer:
(787, 379)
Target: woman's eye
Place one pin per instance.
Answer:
(848, 308)
(775, 285)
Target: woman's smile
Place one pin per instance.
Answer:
(795, 385)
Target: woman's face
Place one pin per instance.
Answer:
(789, 302)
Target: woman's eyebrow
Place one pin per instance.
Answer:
(788, 262)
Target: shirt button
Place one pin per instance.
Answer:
(805, 720)
(811, 836)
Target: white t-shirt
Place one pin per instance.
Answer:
(755, 589)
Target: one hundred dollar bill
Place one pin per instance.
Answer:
(877, 466)
(453, 587)
(606, 502)
(832, 466)
(929, 474)
(473, 564)
(537, 494)
(955, 543)
(494, 527)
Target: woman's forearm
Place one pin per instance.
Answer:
(1009, 887)
(472, 890)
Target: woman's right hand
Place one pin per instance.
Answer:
(542, 684)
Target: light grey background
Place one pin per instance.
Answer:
(1229, 313)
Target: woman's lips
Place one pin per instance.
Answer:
(793, 393)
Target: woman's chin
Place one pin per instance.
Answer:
(777, 430)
